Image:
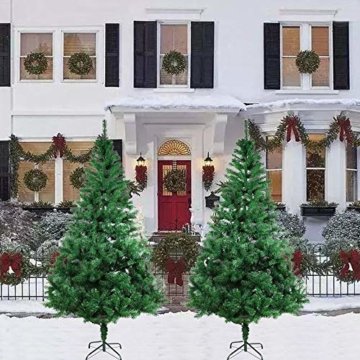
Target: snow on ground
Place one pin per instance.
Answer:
(182, 337)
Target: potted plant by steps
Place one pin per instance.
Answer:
(65, 206)
(39, 207)
(355, 206)
(318, 208)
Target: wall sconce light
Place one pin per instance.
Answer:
(141, 173)
(208, 172)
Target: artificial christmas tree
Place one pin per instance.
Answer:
(244, 271)
(102, 272)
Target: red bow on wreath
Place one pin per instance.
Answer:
(175, 270)
(297, 261)
(350, 258)
(59, 144)
(345, 129)
(12, 261)
(291, 126)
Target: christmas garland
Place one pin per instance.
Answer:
(35, 180)
(174, 62)
(80, 63)
(307, 61)
(208, 176)
(291, 125)
(15, 262)
(77, 178)
(180, 244)
(36, 63)
(175, 180)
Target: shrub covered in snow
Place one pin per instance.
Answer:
(290, 225)
(342, 231)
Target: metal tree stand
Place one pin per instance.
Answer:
(104, 346)
(245, 345)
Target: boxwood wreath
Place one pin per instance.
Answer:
(174, 62)
(17, 263)
(77, 178)
(80, 63)
(307, 61)
(291, 126)
(36, 63)
(35, 180)
(179, 244)
(175, 180)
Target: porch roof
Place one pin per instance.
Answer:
(175, 103)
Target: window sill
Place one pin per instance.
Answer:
(307, 92)
(174, 90)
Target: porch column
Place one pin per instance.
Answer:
(59, 180)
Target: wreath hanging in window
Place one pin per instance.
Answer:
(36, 63)
(307, 61)
(175, 180)
(174, 62)
(77, 178)
(80, 63)
(35, 180)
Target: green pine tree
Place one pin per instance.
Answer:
(102, 272)
(244, 271)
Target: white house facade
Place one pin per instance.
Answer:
(239, 64)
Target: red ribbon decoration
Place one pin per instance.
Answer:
(141, 175)
(175, 270)
(291, 126)
(297, 261)
(53, 258)
(59, 143)
(345, 129)
(208, 176)
(350, 258)
(13, 261)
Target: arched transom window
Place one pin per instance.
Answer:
(174, 148)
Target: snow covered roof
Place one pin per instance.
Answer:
(176, 102)
(293, 103)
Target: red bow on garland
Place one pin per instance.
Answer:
(59, 143)
(175, 270)
(297, 261)
(13, 261)
(291, 126)
(350, 258)
(345, 129)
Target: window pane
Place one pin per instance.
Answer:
(168, 79)
(70, 75)
(274, 158)
(320, 40)
(174, 37)
(291, 75)
(79, 42)
(315, 185)
(315, 158)
(291, 40)
(351, 186)
(275, 178)
(351, 157)
(47, 75)
(321, 76)
(31, 42)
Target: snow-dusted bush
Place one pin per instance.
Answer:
(290, 225)
(342, 231)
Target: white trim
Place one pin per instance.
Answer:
(289, 11)
(174, 14)
(313, 91)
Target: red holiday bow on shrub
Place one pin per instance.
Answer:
(345, 129)
(350, 258)
(12, 261)
(53, 257)
(297, 261)
(291, 126)
(59, 143)
(175, 270)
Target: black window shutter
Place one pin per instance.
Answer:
(117, 145)
(145, 54)
(341, 55)
(4, 171)
(4, 54)
(202, 54)
(272, 56)
(112, 55)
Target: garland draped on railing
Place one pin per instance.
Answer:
(292, 127)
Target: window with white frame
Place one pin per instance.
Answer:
(274, 172)
(173, 37)
(351, 173)
(32, 43)
(315, 171)
(296, 38)
(79, 43)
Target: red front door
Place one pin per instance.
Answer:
(174, 208)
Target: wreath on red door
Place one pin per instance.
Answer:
(175, 180)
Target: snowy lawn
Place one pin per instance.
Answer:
(182, 337)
